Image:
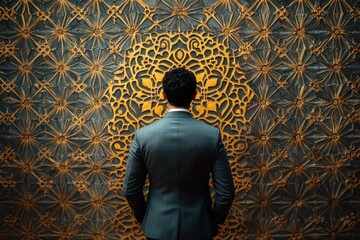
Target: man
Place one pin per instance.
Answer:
(178, 153)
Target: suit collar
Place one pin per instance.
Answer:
(179, 110)
(178, 114)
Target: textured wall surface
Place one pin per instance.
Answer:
(279, 78)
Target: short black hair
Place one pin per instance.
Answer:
(179, 85)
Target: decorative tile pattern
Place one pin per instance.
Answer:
(279, 78)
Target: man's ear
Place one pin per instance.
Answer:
(163, 94)
(194, 96)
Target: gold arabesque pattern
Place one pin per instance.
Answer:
(279, 78)
(221, 85)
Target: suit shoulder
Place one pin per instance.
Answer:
(148, 127)
(207, 127)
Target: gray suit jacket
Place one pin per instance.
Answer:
(178, 153)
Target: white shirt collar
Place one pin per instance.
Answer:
(179, 110)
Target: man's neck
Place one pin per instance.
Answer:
(175, 108)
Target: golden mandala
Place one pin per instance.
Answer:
(135, 92)
(135, 99)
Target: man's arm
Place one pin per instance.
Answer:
(223, 184)
(135, 177)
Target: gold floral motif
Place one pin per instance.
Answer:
(8, 182)
(115, 185)
(47, 220)
(45, 184)
(81, 184)
(44, 49)
(7, 49)
(7, 155)
(80, 219)
(210, 79)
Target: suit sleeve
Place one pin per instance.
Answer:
(223, 183)
(135, 177)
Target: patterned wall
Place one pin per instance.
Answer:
(279, 78)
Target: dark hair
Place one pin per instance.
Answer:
(179, 86)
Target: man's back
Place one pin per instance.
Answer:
(179, 153)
